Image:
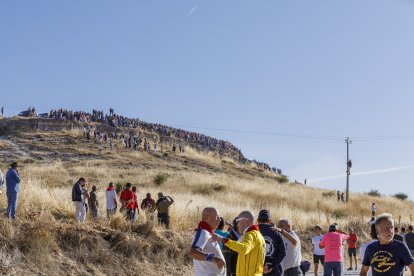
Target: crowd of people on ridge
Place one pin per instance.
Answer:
(187, 137)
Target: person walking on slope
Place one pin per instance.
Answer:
(12, 189)
(78, 198)
(111, 203)
(333, 243)
(275, 247)
(163, 207)
(251, 247)
(127, 199)
(93, 203)
(206, 253)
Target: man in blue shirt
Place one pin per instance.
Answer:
(12, 189)
(387, 256)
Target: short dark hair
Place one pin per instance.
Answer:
(81, 179)
(128, 185)
(318, 227)
(220, 226)
(403, 229)
(410, 227)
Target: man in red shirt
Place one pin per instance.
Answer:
(352, 244)
(127, 199)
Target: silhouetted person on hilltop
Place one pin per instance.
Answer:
(338, 195)
(2, 110)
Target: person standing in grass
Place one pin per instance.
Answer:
(111, 203)
(136, 210)
(78, 197)
(387, 256)
(318, 253)
(352, 245)
(206, 253)
(127, 199)
(373, 209)
(93, 203)
(333, 244)
(163, 207)
(12, 189)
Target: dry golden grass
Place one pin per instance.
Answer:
(46, 239)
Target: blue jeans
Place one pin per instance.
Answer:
(332, 267)
(11, 205)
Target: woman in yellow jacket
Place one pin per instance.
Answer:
(251, 249)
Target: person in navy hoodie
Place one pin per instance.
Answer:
(275, 248)
(12, 189)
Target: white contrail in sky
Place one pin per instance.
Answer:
(319, 179)
(192, 10)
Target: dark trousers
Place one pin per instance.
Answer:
(294, 271)
(164, 219)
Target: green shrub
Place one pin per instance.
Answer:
(118, 187)
(401, 196)
(339, 214)
(328, 194)
(160, 178)
(282, 178)
(208, 189)
(375, 193)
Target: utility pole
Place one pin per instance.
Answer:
(348, 166)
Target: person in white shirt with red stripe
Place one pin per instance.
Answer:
(206, 254)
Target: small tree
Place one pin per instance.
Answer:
(160, 178)
(401, 196)
(375, 193)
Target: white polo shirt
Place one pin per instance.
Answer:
(201, 240)
(293, 253)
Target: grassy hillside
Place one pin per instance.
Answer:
(46, 240)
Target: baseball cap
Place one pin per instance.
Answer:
(264, 214)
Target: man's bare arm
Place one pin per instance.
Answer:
(364, 270)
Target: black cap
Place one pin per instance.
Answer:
(264, 214)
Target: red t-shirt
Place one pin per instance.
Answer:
(128, 195)
(352, 240)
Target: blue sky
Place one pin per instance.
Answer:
(322, 68)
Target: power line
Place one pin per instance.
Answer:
(305, 136)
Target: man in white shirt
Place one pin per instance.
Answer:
(293, 259)
(318, 253)
(111, 203)
(207, 257)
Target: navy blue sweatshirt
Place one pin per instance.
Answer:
(275, 249)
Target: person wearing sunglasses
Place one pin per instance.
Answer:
(251, 247)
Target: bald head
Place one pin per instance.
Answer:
(211, 216)
(208, 211)
(284, 224)
(248, 215)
